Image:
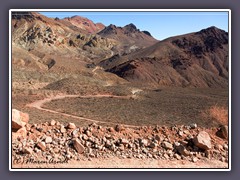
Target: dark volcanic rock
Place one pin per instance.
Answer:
(147, 33)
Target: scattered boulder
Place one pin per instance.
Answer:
(71, 126)
(48, 140)
(124, 141)
(78, 146)
(62, 129)
(20, 133)
(180, 133)
(203, 140)
(119, 128)
(53, 122)
(88, 133)
(166, 156)
(182, 150)
(167, 145)
(193, 125)
(111, 129)
(144, 142)
(225, 146)
(158, 138)
(85, 137)
(41, 145)
(177, 156)
(152, 145)
(108, 143)
(28, 150)
(24, 117)
(75, 132)
(19, 119)
(223, 132)
(194, 159)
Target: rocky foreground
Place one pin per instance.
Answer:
(53, 142)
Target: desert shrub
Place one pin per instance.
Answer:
(219, 114)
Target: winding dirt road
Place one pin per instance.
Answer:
(38, 105)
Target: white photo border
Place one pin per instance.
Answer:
(117, 10)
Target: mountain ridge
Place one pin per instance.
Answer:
(198, 59)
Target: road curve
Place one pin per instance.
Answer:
(39, 103)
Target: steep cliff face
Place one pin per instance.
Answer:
(198, 59)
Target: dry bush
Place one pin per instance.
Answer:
(218, 114)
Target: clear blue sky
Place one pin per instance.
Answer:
(160, 24)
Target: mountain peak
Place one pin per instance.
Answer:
(85, 24)
(76, 17)
(214, 35)
(211, 30)
(131, 27)
(111, 26)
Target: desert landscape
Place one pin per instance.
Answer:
(86, 95)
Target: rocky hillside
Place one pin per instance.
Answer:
(130, 38)
(48, 38)
(74, 38)
(72, 44)
(197, 59)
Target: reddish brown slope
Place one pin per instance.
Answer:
(197, 59)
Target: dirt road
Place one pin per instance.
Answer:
(38, 105)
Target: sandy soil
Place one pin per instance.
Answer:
(115, 162)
